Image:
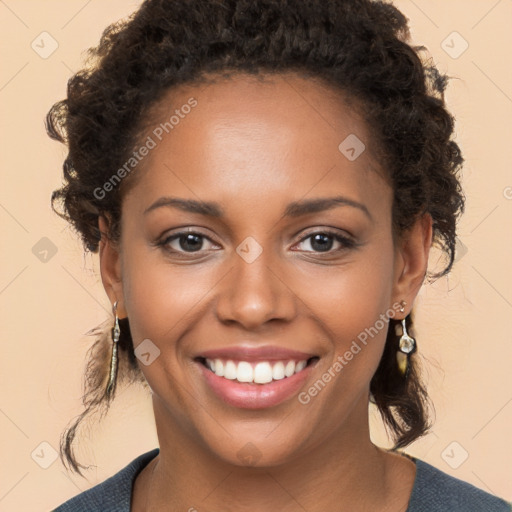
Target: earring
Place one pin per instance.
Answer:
(407, 346)
(111, 385)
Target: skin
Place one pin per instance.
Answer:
(253, 148)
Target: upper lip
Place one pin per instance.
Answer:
(263, 353)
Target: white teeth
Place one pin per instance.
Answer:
(219, 368)
(262, 373)
(289, 369)
(278, 371)
(300, 366)
(244, 373)
(259, 373)
(230, 370)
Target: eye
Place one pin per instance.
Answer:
(193, 242)
(322, 241)
(184, 242)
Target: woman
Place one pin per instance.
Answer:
(305, 149)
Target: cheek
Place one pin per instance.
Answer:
(351, 297)
(164, 301)
(354, 306)
(158, 299)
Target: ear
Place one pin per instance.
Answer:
(411, 261)
(110, 266)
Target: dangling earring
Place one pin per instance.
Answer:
(111, 385)
(407, 346)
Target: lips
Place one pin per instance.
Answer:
(265, 353)
(255, 377)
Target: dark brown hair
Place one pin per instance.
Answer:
(358, 47)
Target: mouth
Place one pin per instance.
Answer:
(254, 384)
(256, 372)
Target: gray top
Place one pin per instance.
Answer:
(433, 491)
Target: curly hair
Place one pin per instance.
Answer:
(360, 48)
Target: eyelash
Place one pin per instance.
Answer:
(347, 243)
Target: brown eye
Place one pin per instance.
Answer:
(323, 241)
(184, 242)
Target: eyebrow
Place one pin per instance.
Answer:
(294, 209)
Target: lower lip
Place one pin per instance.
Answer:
(255, 396)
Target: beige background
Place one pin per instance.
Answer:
(47, 306)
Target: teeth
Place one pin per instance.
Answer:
(278, 371)
(261, 373)
(244, 372)
(229, 369)
(219, 368)
(300, 366)
(289, 369)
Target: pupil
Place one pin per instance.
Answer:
(189, 241)
(322, 246)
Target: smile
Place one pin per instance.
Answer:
(254, 384)
(261, 372)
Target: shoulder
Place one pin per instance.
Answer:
(112, 495)
(436, 491)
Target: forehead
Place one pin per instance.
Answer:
(283, 136)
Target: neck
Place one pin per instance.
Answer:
(344, 472)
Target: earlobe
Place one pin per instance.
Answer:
(412, 258)
(110, 265)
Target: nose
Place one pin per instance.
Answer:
(254, 293)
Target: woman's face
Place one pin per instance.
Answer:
(263, 280)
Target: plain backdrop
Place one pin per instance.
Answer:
(51, 295)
